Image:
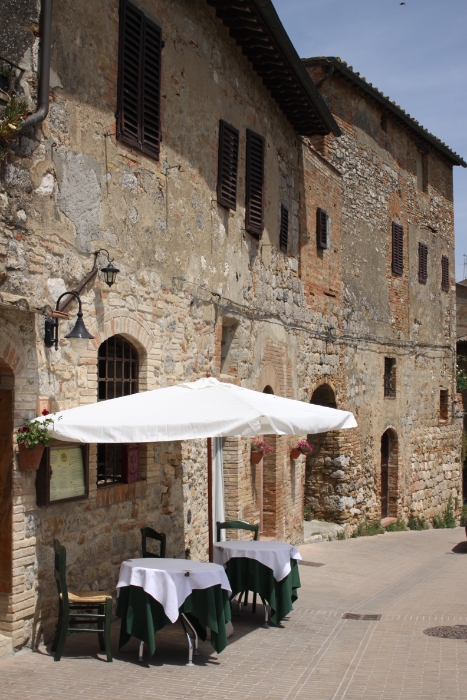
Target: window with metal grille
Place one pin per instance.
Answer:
(227, 166)
(139, 80)
(389, 377)
(284, 229)
(254, 222)
(444, 404)
(422, 263)
(322, 225)
(397, 249)
(445, 273)
(117, 376)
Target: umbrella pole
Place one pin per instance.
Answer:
(210, 508)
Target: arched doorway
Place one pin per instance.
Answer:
(389, 474)
(323, 469)
(6, 476)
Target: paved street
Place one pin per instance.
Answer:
(414, 580)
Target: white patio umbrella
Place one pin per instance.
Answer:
(205, 408)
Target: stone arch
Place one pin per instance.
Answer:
(137, 332)
(388, 477)
(324, 395)
(325, 468)
(268, 378)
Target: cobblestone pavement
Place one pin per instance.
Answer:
(414, 580)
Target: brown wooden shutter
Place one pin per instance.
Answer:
(445, 273)
(321, 228)
(254, 183)
(227, 166)
(397, 249)
(139, 79)
(422, 263)
(284, 229)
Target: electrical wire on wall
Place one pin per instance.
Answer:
(330, 334)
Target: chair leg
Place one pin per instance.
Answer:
(101, 621)
(59, 626)
(253, 606)
(266, 615)
(245, 600)
(62, 636)
(107, 621)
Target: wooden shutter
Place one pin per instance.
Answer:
(422, 263)
(445, 273)
(139, 79)
(254, 223)
(227, 166)
(321, 229)
(284, 229)
(397, 249)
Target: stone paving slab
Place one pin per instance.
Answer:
(414, 580)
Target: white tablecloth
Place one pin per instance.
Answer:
(274, 555)
(167, 582)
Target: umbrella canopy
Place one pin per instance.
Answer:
(200, 409)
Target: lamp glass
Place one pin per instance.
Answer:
(78, 344)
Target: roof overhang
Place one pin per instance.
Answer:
(256, 27)
(390, 105)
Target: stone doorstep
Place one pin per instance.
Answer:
(320, 531)
(6, 646)
(388, 521)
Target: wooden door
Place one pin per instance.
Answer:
(6, 485)
(384, 475)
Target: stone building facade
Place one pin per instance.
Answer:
(198, 293)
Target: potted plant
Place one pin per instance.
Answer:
(32, 439)
(307, 513)
(259, 448)
(301, 448)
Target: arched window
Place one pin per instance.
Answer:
(324, 396)
(117, 376)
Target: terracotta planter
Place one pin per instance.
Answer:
(256, 457)
(295, 454)
(29, 460)
(309, 517)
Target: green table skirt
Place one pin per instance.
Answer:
(247, 574)
(142, 615)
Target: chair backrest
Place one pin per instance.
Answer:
(153, 535)
(236, 525)
(60, 570)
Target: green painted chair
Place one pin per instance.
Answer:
(148, 532)
(77, 606)
(240, 525)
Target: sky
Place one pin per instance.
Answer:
(415, 53)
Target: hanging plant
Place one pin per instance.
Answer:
(35, 432)
(14, 113)
(301, 448)
(258, 445)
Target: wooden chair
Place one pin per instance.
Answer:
(77, 606)
(148, 532)
(240, 525)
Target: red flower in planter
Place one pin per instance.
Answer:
(45, 412)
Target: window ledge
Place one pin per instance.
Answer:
(117, 493)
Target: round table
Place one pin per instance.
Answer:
(155, 592)
(267, 568)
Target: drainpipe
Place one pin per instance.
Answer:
(44, 67)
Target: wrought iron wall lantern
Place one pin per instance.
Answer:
(78, 337)
(110, 272)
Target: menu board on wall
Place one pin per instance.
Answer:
(67, 473)
(63, 474)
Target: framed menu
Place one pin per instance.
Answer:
(63, 474)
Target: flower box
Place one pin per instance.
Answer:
(256, 457)
(29, 460)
